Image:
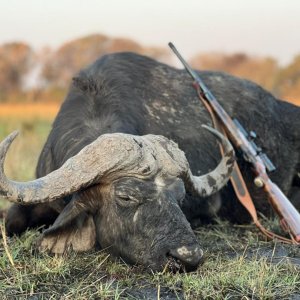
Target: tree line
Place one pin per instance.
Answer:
(44, 75)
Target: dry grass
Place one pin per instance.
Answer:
(29, 110)
(33, 121)
(238, 265)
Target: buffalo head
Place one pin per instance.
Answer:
(127, 193)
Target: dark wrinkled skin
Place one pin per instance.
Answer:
(146, 222)
(133, 94)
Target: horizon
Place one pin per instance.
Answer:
(257, 28)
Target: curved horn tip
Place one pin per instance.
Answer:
(14, 134)
(228, 148)
(4, 145)
(213, 131)
(10, 138)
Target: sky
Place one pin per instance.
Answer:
(257, 27)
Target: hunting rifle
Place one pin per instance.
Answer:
(261, 164)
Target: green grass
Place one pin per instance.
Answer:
(239, 263)
(24, 152)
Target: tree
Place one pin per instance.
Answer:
(64, 63)
(289, 81)
(263, 71)
(16, 59)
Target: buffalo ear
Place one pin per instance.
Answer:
(74, 229)
(85, 84)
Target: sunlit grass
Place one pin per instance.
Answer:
(29, 110)
(33, 123)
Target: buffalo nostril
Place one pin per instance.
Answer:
(189, 256)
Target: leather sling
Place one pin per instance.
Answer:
(239, 184)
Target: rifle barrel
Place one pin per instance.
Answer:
(188, 68)
(234, 133)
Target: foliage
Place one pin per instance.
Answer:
(257, 69)
(74, 55)
(15, 61)
(289, 80)
(49, 72)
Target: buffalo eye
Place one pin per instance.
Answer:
(125, 199)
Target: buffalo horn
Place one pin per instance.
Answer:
(213, 181)
(89, 166)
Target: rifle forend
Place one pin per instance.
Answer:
(251, 136)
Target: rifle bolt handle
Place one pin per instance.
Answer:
(258, 182)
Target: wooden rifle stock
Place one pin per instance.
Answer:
(289, 216)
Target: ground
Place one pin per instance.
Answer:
(239, 264)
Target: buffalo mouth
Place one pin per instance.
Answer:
(175, 265)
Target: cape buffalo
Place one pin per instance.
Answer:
(110, 172)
